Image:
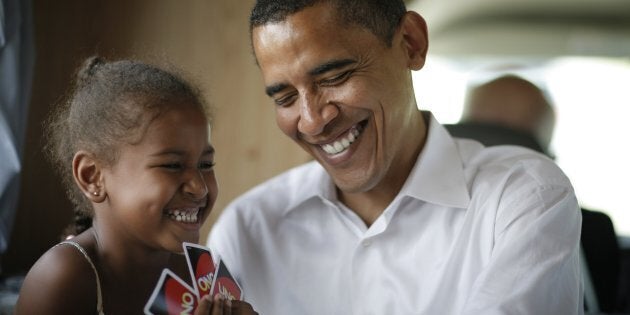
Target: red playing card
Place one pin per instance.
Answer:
(201, 267)
(171, 296)
(225, 285)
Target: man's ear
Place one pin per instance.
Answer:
(88, 175)
(415, 39)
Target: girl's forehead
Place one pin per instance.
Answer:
(179, 124)
(155, 122)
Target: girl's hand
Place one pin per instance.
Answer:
(220, 306)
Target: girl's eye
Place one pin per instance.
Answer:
(340, 78)
(172, 166)
(206, 165)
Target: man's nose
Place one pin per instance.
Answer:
(315, 114)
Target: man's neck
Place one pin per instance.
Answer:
(370, 204)
(367, 205)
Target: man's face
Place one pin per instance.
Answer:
(341, 94)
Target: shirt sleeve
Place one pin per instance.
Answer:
(534, 267)
(223, 241)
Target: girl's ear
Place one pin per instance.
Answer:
(88, 175)
(415, 39)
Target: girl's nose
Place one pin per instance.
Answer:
(196, 186)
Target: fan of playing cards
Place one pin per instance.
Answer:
(174, 296)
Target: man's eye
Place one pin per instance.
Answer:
(206, 165)
(340, 78)
(285, 100)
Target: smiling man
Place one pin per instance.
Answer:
(395, 216)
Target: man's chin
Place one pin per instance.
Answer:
(352, 185)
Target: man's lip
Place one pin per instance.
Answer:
(339, 135)
(343, 147)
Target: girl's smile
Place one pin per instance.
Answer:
(162, 188)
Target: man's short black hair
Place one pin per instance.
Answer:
(381, 17)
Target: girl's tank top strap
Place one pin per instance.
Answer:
(99, 299)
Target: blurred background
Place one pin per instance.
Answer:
(578, 51)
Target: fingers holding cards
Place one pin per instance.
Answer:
(204, 307)
(213, 288)
(225, 285)
(242, 308)
(220, 306)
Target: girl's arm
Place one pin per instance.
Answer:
(61, 282)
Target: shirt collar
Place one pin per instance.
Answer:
(313, 182)
(438, 176)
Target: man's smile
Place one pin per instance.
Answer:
(342, 143)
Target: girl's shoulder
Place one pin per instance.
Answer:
(62, 281)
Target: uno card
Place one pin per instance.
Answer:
(225, 285)
(201, 267)
(171, 296)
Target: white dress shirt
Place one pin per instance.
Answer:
(474, 230)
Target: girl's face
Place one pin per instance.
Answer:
(161, 190)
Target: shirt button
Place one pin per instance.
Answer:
(366, 243)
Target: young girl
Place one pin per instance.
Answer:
(132, 147)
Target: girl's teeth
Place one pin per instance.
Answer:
(183, 216)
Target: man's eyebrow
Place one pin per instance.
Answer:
(323, 68)
(273, 89)
(330, 65)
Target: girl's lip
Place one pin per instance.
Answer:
(188, 217)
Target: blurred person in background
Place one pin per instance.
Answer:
(512, 110)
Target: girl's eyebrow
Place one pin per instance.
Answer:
(168, 152)
(208, 151)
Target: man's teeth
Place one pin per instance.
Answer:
(343, 143)
(183, 215)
